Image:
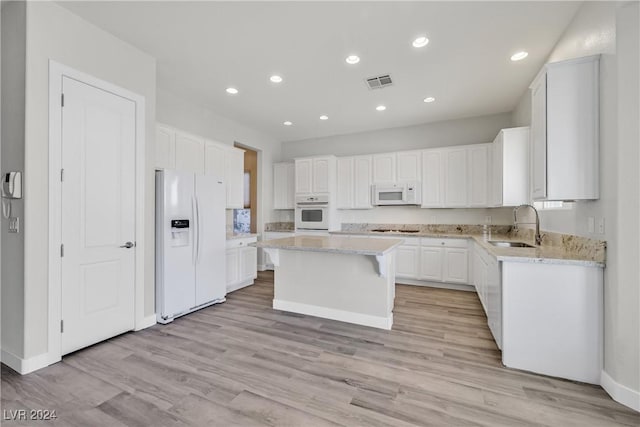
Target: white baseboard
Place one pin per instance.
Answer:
(146, 322)
(25, 366)
(333, 314)
(620, 393)
(262, 267)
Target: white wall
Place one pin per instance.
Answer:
(475, 130)
(55, 33)
(13, 86)
(593, 31)
(175, 111)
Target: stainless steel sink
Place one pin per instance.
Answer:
(507, 244)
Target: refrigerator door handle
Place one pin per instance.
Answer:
(198, 231)
(194, 231)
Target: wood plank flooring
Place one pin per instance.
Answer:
(244, 364)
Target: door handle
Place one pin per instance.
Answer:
(128, 245)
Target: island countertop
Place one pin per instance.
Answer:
(334, 244)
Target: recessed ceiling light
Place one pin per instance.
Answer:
(352, 59)
(232, 90)
(421, 41)
(429, 99)
(381, 108)
(323, 117)
(518, 56)
(276, 79)
(287, 123)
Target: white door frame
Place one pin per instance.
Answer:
(56, 73)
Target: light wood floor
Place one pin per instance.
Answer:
(242, 363)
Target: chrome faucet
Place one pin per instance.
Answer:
(538, 236)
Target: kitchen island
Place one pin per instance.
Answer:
(351, 279)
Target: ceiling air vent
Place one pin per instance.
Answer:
(379, 82)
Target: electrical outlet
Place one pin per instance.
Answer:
(14, 224)
(591, 224)
(601, 225)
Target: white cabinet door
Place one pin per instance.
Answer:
(233, 266)
(303, 175)
(362, 182)
(165, 147)
(456, 265)
(455, 168)
(432, 182)
(539, 138)
(431, 264)
(409, 166)
(321, 175)
(494, 301)
(215, 155)
(408, 262)
(248, 263)
(497, 163)
(384, 168)
(234, 175)
(478, 158)
(283, 186)
(189, 153)
(345, 183)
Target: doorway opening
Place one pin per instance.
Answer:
(250, 187)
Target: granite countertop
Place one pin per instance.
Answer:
(334, 244)
(539, 254)
(232, 236)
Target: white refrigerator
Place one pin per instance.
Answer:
(190, 243)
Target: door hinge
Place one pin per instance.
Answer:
(61, 326)
(61, 175)
(62, 99)
(61, 250)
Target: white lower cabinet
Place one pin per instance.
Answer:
(408, 259)
(242, 263)
(444, 260)
(486, 279)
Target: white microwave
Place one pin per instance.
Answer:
(397, 194)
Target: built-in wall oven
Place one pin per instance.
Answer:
(312, 212)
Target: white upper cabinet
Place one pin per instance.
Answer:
(215, 155)
(409, 166)
(283, 186)
(384, 168)
(432, 179)
(455, 181)
(479, 161)
(510, 167)
(353, 186)
(165, 147)
(303, 175)
(564, 130)
(344, 182)
(189, 153)
(234, 167)
(182, 151)
(315, 175)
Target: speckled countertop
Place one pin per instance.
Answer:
(334, 244)
(232, 236)
(547, 254)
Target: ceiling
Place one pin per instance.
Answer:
(204, 47)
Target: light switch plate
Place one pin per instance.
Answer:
(14, 224)
(601, 225)
(591, 224)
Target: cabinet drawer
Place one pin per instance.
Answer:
(447, 243)
(240, 243)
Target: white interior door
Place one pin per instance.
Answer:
(98, 215)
